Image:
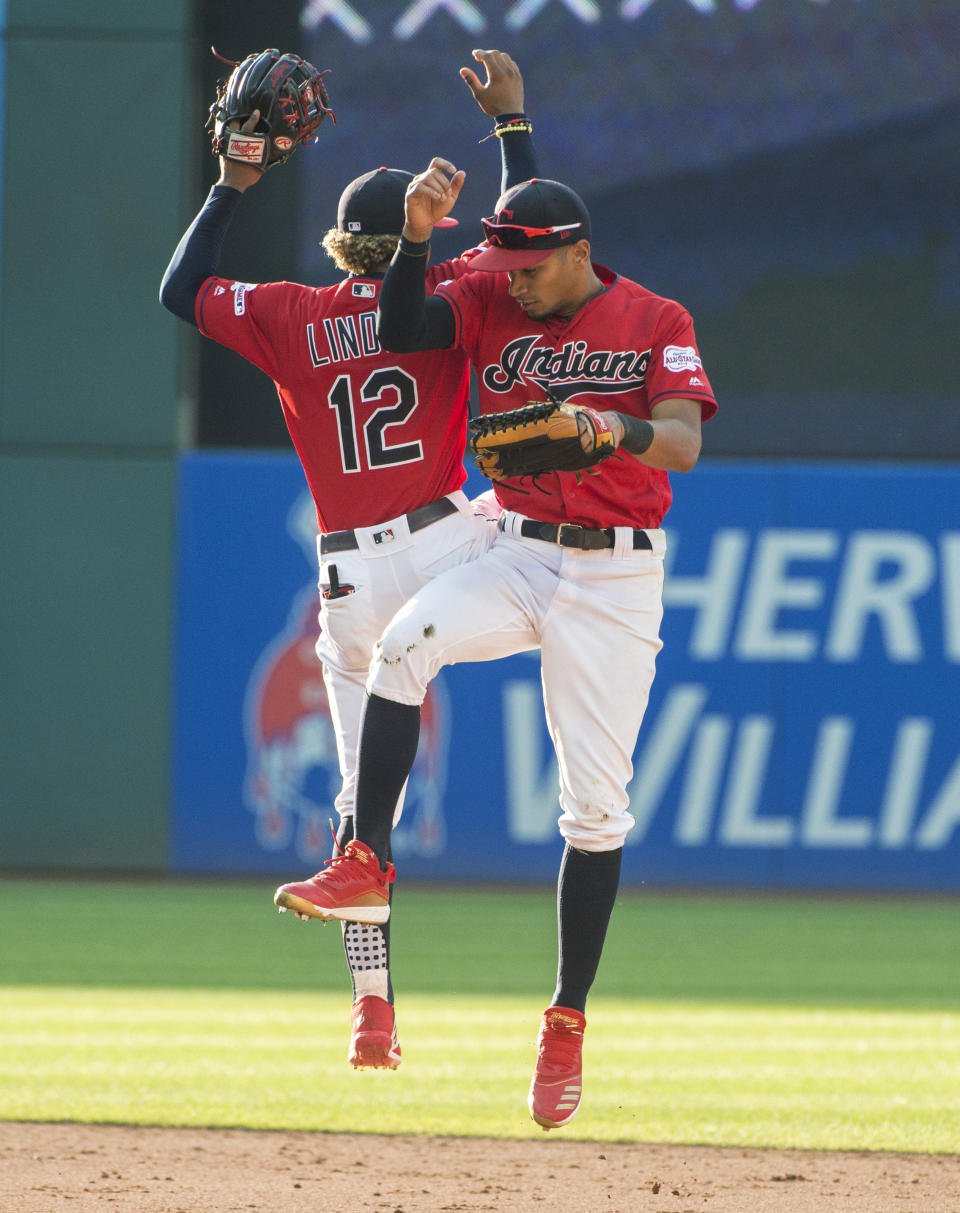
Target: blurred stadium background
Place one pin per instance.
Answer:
(788, 169)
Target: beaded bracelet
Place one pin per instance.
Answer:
(523, 125)
(517, 124)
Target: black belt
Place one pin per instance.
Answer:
(346, 541)
(572, 535)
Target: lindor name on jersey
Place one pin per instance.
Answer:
(352, 336)
(569, 369)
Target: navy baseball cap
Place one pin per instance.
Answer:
(372, 205)
(532, 219)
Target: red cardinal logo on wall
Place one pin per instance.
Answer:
(293, 772)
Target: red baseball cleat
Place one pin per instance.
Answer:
(351, 887)
(373, 1036)
(557, 1081)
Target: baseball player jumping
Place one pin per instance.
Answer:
(576, 570)
(380, 436)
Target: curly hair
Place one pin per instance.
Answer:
(358, 254)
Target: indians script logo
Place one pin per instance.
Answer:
(566, 371)
(293, 770)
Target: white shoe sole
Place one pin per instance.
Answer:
(304, 908)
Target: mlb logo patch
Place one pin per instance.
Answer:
(353, 226)
(386, 536)
(240, 290)
(364, 290)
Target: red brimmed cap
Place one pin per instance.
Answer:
(531, 220)
(372, 205)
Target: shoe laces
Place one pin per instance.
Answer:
(338, 870)
(559, 1049)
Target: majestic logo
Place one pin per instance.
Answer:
(681, 358)
(567, 371)
(293, 769)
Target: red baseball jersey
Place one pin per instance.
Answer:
(626, 349)
(378, 434)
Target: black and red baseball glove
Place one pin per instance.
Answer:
(292, 99)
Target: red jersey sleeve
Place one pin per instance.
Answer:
(255, 319)
(675, 369)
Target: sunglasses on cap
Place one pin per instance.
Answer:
(500, 233)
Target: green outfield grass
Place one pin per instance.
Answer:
(729, 1020)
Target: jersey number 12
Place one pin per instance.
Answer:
(393, 383)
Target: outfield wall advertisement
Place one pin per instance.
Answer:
(803, 731)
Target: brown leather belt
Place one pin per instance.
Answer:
(572, 535)
(346, 541)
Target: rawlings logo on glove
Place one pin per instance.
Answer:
(538, 438)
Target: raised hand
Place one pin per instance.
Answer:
(430, 197)
(502, 92)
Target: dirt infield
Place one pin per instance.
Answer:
(46, 1168)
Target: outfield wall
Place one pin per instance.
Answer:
(803, 729)
(89, 419)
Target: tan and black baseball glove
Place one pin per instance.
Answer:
(292, 99)
(540, 437)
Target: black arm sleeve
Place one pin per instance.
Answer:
(198, 254)
(518, 159)
(407, 320)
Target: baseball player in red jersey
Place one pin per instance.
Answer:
(381, 439)
(577, 569)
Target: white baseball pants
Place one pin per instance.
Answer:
(386, 568)
(595, 616)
